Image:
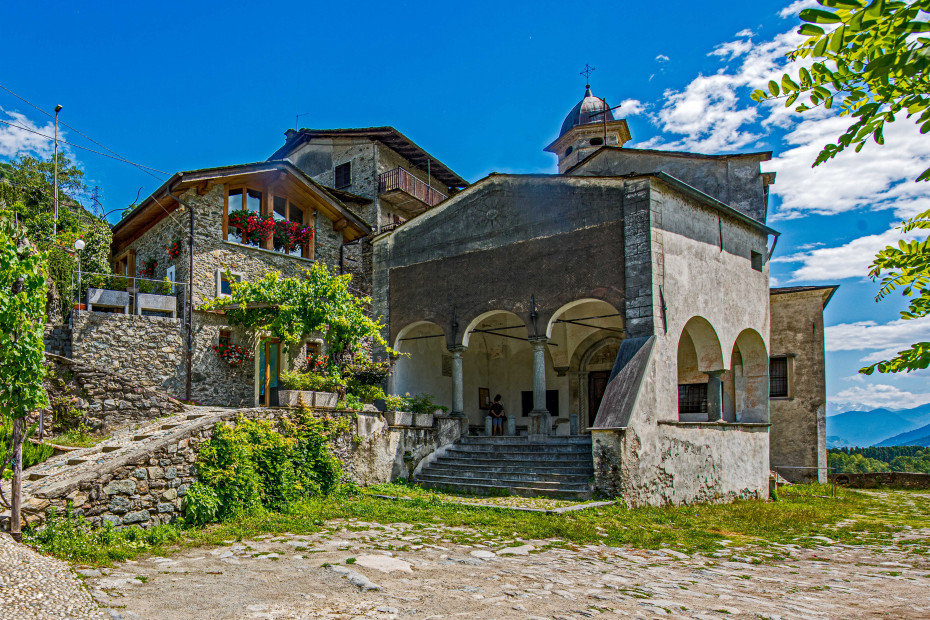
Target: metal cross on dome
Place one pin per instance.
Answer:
(588, 69)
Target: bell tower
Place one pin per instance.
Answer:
(589, 126)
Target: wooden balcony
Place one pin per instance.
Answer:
(406, 192)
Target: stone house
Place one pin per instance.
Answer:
(152, 349)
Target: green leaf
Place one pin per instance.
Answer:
(810, 30)
(788, 84)
(773, 88)
(818, 16)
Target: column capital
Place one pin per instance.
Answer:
(715, 373)
(537, 340)
(457, 349)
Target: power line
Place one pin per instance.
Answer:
(49, 114)
(78, 146)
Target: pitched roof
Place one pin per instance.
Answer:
(160, 203)
(388, 136)
(826, 291)
(760, 155)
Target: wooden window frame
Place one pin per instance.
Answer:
(130, 257)
(224, 334)
(268, 196)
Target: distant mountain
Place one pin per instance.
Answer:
(916, 437)
(869, 428)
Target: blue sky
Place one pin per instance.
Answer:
(484, 87)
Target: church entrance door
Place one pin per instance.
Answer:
(597, 385)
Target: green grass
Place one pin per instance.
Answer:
(802, 512)
(78, 437)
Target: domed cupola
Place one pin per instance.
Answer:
(590, 125)
(591, 109)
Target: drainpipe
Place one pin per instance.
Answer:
(190, 300)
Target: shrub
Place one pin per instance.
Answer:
(396, 403)
(311, 381)
(366, 393)
(423, 403)
(33, 454)
(253, 464)
(367, 371)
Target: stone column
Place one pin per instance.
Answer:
(540, 419)
(714, 395)
(458, 388)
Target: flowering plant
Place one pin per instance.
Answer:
(291, 235)
(254, 227)
(232, 354)
(319, 364)
(174, 248)
(147, 270)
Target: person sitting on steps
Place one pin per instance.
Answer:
(497, 416)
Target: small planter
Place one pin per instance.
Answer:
(314, 400)
(398, 418)
(104, 298)
(423, 420)
(158, 303)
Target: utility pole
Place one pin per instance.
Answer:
(55, 224)
(16, 486)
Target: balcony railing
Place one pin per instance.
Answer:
(121, 294)
(402, 181)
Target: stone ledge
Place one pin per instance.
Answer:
(716, 425)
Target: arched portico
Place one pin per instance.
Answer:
(747, 383)
(700, 371)
(424, 365)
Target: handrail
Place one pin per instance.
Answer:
(83, 281)
(400, 179)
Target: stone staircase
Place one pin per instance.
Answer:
(559, 467)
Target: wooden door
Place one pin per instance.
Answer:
(597, 385)
(269, 364)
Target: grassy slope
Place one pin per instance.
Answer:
(801, 512)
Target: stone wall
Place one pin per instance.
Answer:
(874, 480)
(146, 350)
(104, 400)
(148, 487)
(799, 433)
(58, 340)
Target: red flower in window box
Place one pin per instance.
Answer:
(147, 270)
(289, 236)
(174, 248)
(232, 354)
(254, 227)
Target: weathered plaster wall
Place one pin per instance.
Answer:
(700, 267)
(799, 421)
(733, 180)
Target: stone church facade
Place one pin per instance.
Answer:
(625, 298)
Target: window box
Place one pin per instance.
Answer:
(399, 418)
(103, 298)
(157, 303)
(314, 400)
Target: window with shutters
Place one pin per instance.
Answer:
(343, 175)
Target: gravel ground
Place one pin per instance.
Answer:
(36, 586)
(366, 570)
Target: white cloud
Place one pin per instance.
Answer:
(880, 340)
(630, 107)
(746, 32)
(796, 7)
(733, 49)
(850, 260)
(662, 58)
(876, 396)
(15, 140)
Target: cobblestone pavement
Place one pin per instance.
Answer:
(362, 570)
(36, 586)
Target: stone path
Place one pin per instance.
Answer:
(362, 570)
(37, 586)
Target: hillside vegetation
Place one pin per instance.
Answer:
(892, 458)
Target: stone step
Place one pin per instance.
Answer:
(106, 449)
(522, 491)
(494, 481)
(76, 461)
(166, 427)
(141, 437)
(510, 439)
(511, 476)
(547, 467)
(456, 452)
(521, 449)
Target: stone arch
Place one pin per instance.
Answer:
(424, 363)
(476, 323)
(593, 305)
(748, 379)
(700, 366)
(586, 368)
(706, 344)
